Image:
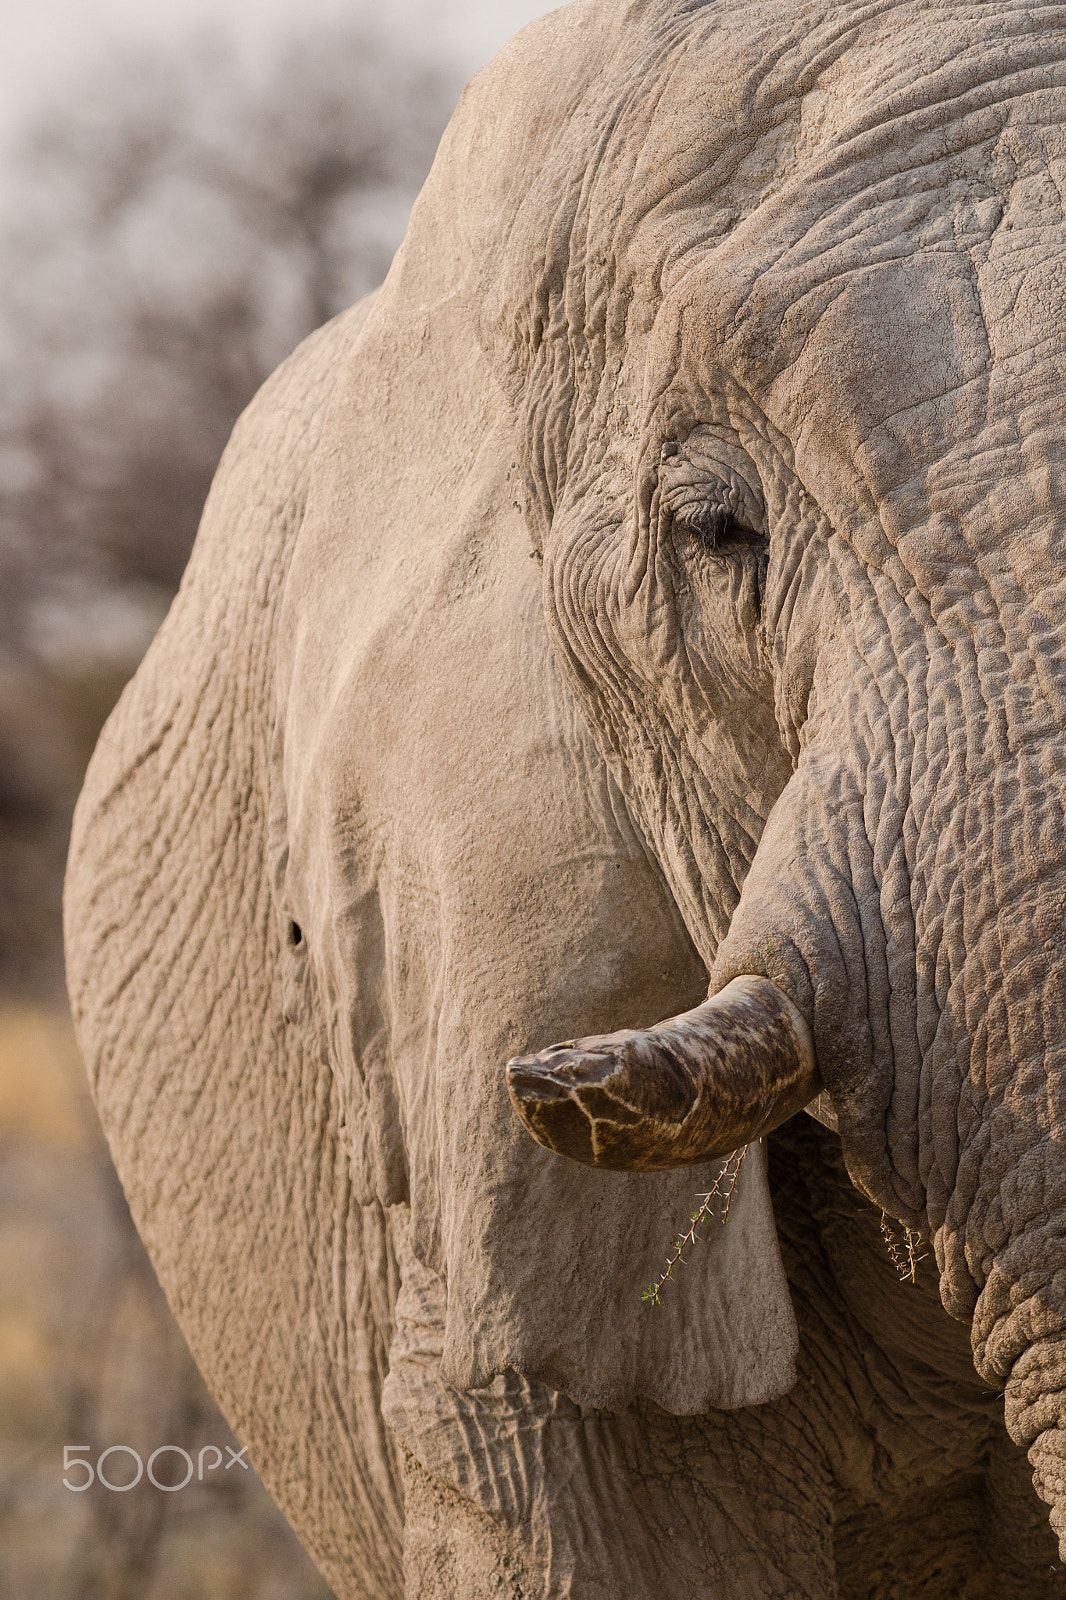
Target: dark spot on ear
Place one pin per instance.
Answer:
(295, 934)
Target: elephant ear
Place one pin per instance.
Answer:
(467, 879)
(223, 1122)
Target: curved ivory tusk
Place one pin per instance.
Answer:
(691, 1089)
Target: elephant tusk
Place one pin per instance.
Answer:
(691, 1089)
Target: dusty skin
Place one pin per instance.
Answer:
(661, 581)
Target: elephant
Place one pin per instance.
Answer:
(649, 604)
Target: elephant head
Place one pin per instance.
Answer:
(789, 350)
(745, 323)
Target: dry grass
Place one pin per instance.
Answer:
(42, 1086)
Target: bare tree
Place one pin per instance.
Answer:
(175, 226)
(182, 227)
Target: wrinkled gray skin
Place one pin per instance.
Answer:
(461, 739)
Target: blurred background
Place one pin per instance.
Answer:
(187, 188)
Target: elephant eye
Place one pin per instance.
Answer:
(712, 524)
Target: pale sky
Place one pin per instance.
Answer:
(41, 41)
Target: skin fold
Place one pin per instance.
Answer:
(659, 585)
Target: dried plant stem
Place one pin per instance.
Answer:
(905, 1257)
(721, 1189)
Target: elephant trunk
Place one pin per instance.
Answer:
(909, 895)
(695, 1087)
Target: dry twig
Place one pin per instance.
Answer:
(722, 1188)
(905, 1256)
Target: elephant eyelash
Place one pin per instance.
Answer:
(714, 522)
(709, 521)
